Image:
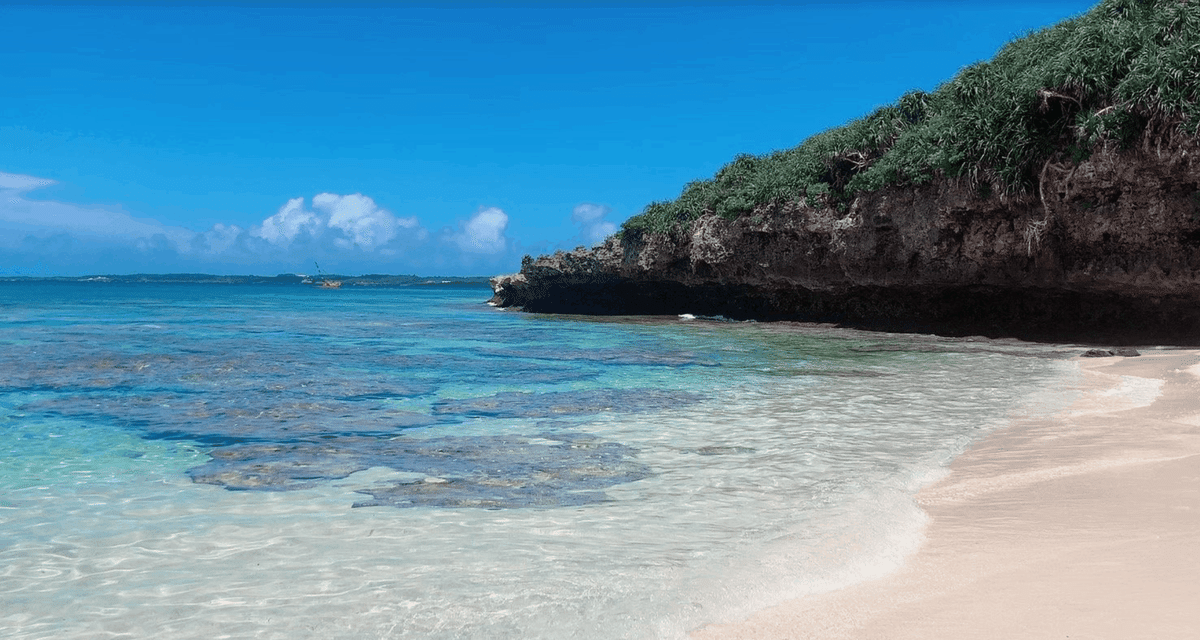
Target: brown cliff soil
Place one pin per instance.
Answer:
(1107, 250)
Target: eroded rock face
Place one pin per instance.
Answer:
(1109, 250)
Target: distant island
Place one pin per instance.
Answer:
(1052, 193)
(368, 280)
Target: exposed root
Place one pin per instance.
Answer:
(1042, 183)
(1046, 95)
(1033, 235)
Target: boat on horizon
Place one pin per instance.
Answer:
(323, 281)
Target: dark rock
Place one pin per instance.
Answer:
(1124, 270)
(1124, 352)
(1097, 353)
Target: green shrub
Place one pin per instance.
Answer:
(1114, 74)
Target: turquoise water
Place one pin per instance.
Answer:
(219, 460)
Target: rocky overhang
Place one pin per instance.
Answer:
(1107, 249)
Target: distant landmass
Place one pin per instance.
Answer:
(295, 279)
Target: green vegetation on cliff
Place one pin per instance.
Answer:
(1128, 71)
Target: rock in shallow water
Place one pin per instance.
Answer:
(1124, 352)
(466, 471)
(1097, 353)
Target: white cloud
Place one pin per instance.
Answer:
(593, 228)
(352, 221)
(361, 220)
(291, 220)
(42, 217)
(20, 184)
(484, 232)
(220, 239)
(348, 233)
(587, 213)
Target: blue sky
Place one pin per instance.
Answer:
(401, 138)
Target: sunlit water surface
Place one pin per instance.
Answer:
(207, 461)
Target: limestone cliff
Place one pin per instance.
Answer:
(1104, 249)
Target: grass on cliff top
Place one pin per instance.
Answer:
(1125, 70)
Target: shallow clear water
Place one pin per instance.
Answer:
(205, 461)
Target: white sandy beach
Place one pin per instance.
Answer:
(1085, 525)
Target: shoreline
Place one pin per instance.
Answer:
(1084, 524)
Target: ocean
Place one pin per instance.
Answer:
(217, 460)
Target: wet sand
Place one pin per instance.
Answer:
(1084, 525)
